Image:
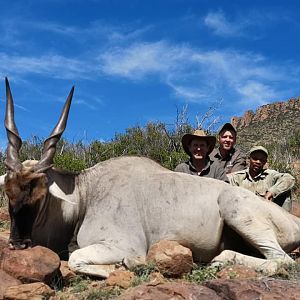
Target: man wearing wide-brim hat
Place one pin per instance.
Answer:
(198, 146)
(266, 183)
(231, 158)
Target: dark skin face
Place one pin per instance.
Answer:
(258, 160)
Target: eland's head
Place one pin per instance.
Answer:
(25, 184)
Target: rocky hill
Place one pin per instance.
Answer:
(271, 122)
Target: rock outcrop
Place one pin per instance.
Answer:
(269, 123)
(268, 111)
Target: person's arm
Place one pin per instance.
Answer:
(220, 173)
(233, 179)
(283, 182)
(181, 168)
(239, 162)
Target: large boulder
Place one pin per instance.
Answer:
(267, 289)
(170, 290)
(30, 265)
(171, 258)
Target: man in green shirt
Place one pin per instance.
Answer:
(266, 183)
(198, 146)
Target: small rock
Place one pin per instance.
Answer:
(156, 278)
(4, 215)
(295, 209)
(66, 273)
(283, 273)
(32, 291)
(3, 242)
(237, 272)
(171, 258)
(120, 278)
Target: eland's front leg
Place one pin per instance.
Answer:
(101, 259)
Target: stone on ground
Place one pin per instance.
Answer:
(171, 258)
(170, 290)
(32, 291)
(30, 265)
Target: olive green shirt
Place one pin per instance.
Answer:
(212, 170)
(279, 184)
(234, 161)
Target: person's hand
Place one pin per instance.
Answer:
(268, 196)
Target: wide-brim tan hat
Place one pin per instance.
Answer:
(200, 135)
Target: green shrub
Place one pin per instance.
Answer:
(202, 273)
(104, 294)
(67, 161)
(142, 273)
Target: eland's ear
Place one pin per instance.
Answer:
(2, 180)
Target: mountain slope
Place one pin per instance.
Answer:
(278, 122)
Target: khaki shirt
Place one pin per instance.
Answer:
(212, 170)
(234, 161)
(267, 181)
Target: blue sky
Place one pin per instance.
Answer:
(137, 61)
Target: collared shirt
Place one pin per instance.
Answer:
(212, 170)
(267, 181)
(234, 161)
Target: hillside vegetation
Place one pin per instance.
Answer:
(162, 143)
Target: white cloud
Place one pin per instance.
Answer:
(242, 24)
(220, 25)
(13, 32)
(21, 107)
(85, 103)
(139, 60)
(90, 101)
(190, 93)
(191, 73)
(252, 78)
(257, 93)
(194, 74)
(48, 65)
